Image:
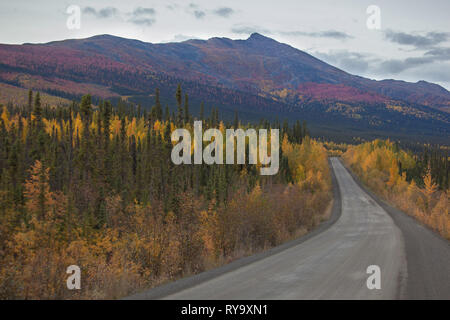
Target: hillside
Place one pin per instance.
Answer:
(255, 76)
(16, 95)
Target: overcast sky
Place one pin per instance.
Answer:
(412, 44)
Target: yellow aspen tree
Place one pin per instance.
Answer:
(440, 214)
(5, 117)
(393, 174)
(37, 191)
(114, 127)
(286, 147)
(430, 188)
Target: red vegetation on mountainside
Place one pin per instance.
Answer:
(325, 91)
(255, 66)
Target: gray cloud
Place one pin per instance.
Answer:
(353, 62)
(431, 72)
(250, 30)
(143, 16)
(432, 65)
(322, 34)
(142, 21)
(89, 10)
(395, 66)
(140, 11)
(419, 41)
(224, 12)
(434, 55)
(199, 14)
(410, 68)
(434, 73)
(428, 41)
(439, 53)
(106, 12)
(196, 11)
(140, 16)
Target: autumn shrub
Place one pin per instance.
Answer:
(96, 188)
(378, 164)
(141, 246)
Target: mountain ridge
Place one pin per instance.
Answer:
(100, 44)
(257, 74)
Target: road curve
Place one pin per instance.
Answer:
(329, 264)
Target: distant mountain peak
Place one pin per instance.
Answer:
(105, 36)
(255, 36)
(257, 65)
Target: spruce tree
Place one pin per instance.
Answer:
(186, 108)
(37, 111)
(30, 102)
(202, 111)
(158, 106)
(167, 114)
(180, 107)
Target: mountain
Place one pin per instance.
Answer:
(256, 76)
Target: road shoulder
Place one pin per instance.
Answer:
(427, 254)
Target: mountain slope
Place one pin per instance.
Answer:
(258, 74)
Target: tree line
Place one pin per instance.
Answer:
(417, 184)
(94, 185)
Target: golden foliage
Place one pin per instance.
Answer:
(376, 163)
(140, 245)
(309, 164)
